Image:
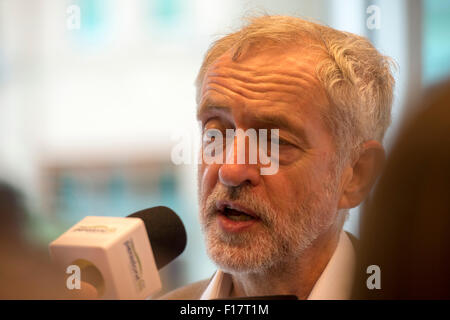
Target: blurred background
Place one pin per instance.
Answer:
(95, 93)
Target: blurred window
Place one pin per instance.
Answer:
(436, 40)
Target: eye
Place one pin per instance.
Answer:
(280, 141)
(283, 142)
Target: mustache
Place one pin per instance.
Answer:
(242, 195)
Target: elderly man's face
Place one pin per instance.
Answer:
(254, 222)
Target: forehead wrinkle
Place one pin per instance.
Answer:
(265, 83)
(296, 62)
(290, 80)
(264, 86)
(215, 102)
(236, 91)
(270, 74)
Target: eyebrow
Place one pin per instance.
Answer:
(282, 121)
(210, 105)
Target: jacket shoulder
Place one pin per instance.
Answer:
(192, 291)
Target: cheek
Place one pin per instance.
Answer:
(289, 186)
(207, 178)
(281, 189)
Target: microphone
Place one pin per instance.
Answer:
(120, 257)
(165, 231)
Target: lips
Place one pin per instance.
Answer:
(234, 217)
(229, 208)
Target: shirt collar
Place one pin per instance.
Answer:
(335, 282)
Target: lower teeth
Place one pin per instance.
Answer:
(241, 217)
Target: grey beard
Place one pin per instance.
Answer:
(275, 243)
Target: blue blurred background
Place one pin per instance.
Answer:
(89, 112)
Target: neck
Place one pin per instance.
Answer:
(294, 277)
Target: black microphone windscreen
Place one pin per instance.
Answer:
(165, 231)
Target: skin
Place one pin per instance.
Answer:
(274, 88)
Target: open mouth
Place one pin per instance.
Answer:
(236, 215)
(235, 212)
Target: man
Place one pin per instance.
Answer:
(329, 94)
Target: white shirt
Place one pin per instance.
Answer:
(335, 282)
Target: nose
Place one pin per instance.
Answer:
(234, 174)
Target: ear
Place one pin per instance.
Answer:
(359, 177)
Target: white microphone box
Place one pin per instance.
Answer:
(114, 254)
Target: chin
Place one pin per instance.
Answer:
(241, 257)
(234, 266)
